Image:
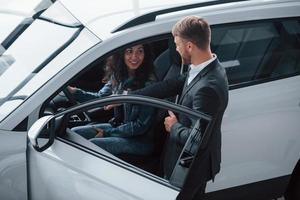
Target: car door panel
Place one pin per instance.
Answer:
(66, 172)
(74, 166)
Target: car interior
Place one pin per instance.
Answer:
(167, 64)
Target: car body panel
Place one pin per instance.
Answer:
(264, 120)
(13, 176)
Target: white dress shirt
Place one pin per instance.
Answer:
(195, 69)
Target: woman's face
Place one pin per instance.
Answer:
(134, 57)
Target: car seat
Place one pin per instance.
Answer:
(168, 63)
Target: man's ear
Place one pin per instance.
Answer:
(190, 46)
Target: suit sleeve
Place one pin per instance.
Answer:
(163, 89)
(206, 101)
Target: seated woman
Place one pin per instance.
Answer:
(133, 70)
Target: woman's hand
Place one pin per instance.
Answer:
(71, 89)
(99, 133)
(109, 107)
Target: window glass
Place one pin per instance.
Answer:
(8, 24)
(14, 17)
(38, 52)
(24, 7)
(40, 44)
(258, 50)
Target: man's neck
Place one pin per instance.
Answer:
(201, 56)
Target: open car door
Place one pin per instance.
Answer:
(186, 169)
(63, 165)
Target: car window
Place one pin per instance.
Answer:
(91, 82)
(258, 50)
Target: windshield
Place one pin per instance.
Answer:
(29, 41)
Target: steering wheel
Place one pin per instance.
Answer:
(78, 117)
(70, 97)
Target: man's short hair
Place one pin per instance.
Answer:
(194, 29)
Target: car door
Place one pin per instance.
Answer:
(64, 165)
(260, 130)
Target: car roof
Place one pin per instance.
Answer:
(105, 19)
(102, 18)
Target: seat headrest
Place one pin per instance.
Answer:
(175, 57)
(162, 64)
(166, 59)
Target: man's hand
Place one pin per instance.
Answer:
(100, 133)
(170, 121)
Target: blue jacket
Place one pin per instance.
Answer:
(82, 96)
(136, 119)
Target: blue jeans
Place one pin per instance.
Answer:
(115, 145)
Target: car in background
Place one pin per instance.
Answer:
(49, 45)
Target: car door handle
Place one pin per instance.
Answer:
(186, 162)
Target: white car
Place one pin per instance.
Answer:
(48, 45)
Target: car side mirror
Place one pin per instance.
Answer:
(41, 134)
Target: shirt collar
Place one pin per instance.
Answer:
(199, 67)
(196, 69)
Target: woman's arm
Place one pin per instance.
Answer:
(82, 96)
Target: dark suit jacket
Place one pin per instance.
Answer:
(207, 93)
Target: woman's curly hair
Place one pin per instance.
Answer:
(119, 69)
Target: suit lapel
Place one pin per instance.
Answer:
(201, 74)
(186, 87)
